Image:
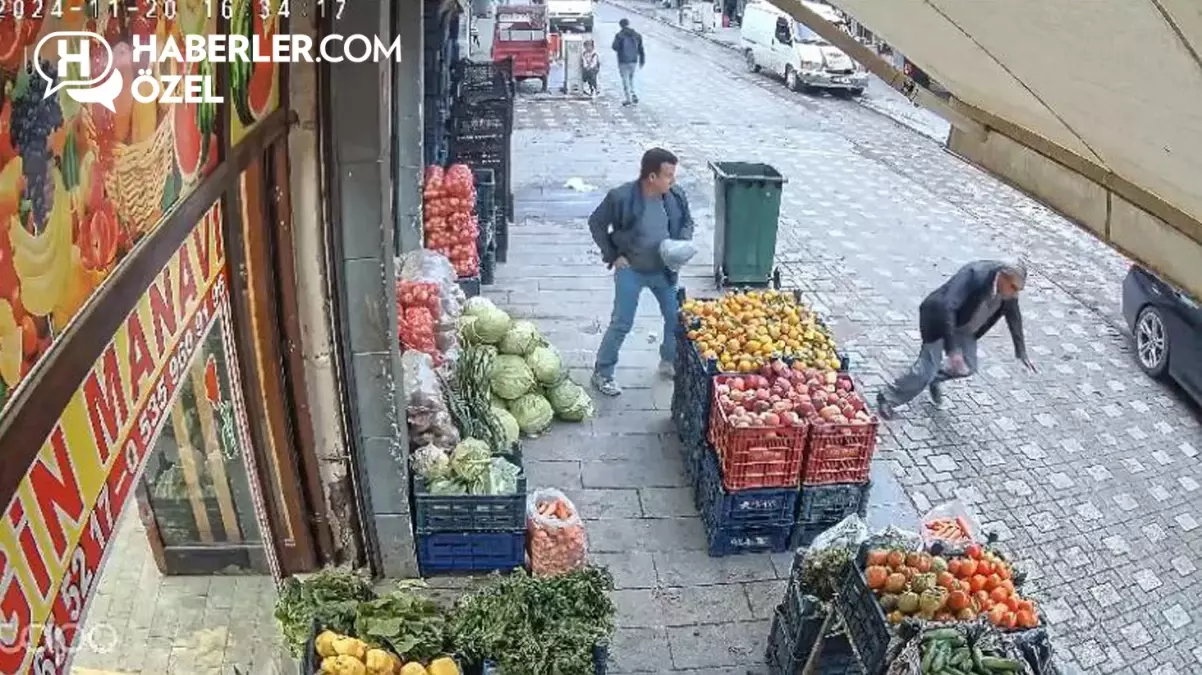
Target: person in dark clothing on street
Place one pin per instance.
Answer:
(630, 227)
(951, 320)
(629, 46)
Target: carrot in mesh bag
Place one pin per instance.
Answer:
(556, 533)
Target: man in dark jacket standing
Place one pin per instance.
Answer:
(629, 46)
(629, 226)
(951, 320)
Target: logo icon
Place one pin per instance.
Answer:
(73, 51)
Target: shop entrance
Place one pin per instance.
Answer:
(194, 497)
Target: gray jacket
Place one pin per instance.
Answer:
(953, 304)
(613, 222)
(629, 46)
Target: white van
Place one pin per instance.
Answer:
(773, 41)
(576, 14)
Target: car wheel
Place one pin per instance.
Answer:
(752, 66)
(791, 80)
(1151, 342)
(857, 92)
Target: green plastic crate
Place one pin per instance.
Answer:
(746, 216)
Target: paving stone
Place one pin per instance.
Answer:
(667, 502)
(647, 534)
(686, 568)
(643, 472)
(630, 569)
(716, 645)
(603, 504)
(639, 650)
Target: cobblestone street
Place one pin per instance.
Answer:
(1088, 470)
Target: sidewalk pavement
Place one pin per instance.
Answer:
(723, 36)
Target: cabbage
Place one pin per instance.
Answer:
(546, 365)
(477, 306)
(521, 339)
(503, 477)
(444, 486)
(510, 377)
(570, 401)
(470, 460)
(533, 413)
(505, 418)
(431, 462)
(490, 326)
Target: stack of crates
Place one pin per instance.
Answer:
(834, 476)
(469, 533)
(482, 132)
(797, 626)
(486, 208)
(747, 483)
(441, 48)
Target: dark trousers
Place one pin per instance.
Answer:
(928, 369)
(590, 81)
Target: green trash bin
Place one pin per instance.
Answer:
(746, 214)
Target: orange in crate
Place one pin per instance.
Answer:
(755, 456)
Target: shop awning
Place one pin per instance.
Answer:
(1115, 83)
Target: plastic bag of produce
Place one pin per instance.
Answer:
(821, 568)
(433, 271)
(950, 523)
(429, 421)
(555, 533)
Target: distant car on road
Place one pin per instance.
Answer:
(1167, 326)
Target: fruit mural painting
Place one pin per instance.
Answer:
(253, 90)
(80, 185)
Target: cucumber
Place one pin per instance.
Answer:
(999, 665)
(940, 659)
(976, 659)
(927, 658)
(941, 634)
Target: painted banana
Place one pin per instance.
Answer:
(43, 261)
(11, 346)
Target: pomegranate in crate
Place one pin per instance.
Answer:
(757, 431)
(842, 431)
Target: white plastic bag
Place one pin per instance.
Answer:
(425, 410)
(429, 266)
(555, 533)
(950, 523)
(820, 569)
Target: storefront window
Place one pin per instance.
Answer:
(198, 483)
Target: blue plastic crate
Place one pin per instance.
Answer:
(734, 539)
(470, 551)
(690, 393)
(776, 506)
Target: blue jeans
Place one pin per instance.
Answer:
(626, 70)
(628, 285)
(928, 369)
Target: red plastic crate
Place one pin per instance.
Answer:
(755, 457)
(839, 453)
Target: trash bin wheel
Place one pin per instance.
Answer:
(776, 278)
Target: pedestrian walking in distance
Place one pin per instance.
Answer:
(629, 46)
(590, 66)
(951, 320)
(631, 226)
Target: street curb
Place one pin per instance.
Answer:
(650, 14)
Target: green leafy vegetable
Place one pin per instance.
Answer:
(536, 625)
(510, 377)
(331, 597)
(546, 365)
(405, 622)
(533, 414)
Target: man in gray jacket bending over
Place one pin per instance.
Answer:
(951, 320)
(629, 46)
(629, 225)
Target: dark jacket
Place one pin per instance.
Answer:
(613, 221)
(629, 46)
(953, 304)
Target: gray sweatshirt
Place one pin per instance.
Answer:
(649, 231)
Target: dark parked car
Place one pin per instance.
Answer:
(1167, 325)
